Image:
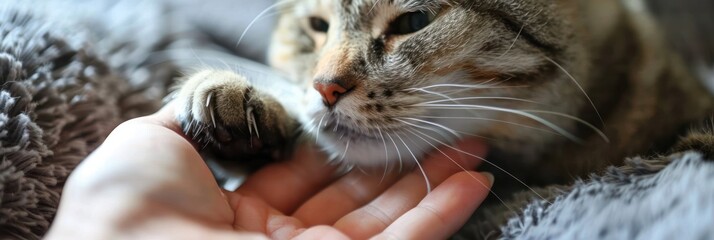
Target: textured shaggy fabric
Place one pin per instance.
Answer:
(61, 93)
(665, 198)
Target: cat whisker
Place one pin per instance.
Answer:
(446, 136)
(506, 110)
(579, 87)
(484, 160)
(426, 128)
(312, 125)
(260, 15)
(454, 91)
(457, 100)
(581, 121)
(373, 6)
(386, 155)
(430, 123)
(434, 93)
(445, 95)
(520, 32)
(319, 126)
(460, 86)
(399, 154)
(337, 124)
(347, 147)
(426, 178)
(491, 120)
(462, 168)
(514, 41)
(487, 82)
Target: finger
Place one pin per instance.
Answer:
(286, 185)
(444, 210)
(227, 235)
(373, 218)
(165, 117)
(321, 232)
(347, 194)
(254, 215)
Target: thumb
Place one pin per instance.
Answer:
(165, 117)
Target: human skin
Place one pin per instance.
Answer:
(148, 181)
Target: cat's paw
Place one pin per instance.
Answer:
(223, 114)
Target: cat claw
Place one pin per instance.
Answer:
(252, 123)
(210, 109)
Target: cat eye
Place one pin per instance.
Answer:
(410, 22)
(319, 24)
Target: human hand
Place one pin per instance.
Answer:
(148, 181)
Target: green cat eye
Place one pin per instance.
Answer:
(319, 24)
(410, 22)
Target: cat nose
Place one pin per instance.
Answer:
(330, 91)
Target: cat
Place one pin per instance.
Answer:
(559, 89)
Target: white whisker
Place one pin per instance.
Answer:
(386, 155)
(493, 120)
(461, 86)
(260, 15)
(347, 147)
(514, 41)
(462, 168)
(579, 87)
(337, 124)
(484, 160)
(373, 6)
(598, 131)
(399, 154)
(431, 123)
(425, 128)
(445, 136)
(319, 126)
(312, 125)
(426, 178)
(517, 112)
(456, 100)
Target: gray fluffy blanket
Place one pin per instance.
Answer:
(669, 197)
(63, 89)
(72, 70)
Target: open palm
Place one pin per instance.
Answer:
(147, 181)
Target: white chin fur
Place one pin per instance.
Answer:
(373, 153)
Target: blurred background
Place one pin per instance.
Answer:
(224, 21)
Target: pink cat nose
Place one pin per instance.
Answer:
(330, 92)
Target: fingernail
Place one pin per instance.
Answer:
(490, 177)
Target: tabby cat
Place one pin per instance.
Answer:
(559, 88)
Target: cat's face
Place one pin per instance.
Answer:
(413, 74)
